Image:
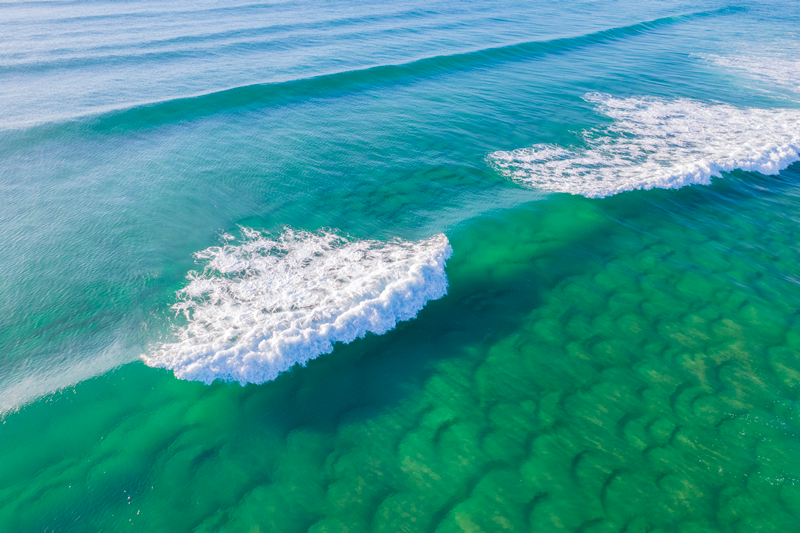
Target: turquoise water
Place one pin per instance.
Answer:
(411, 267)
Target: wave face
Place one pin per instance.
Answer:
(658, 143)
(260, 307)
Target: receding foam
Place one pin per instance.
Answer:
(659, 143)
(776, 66)
(264, 304)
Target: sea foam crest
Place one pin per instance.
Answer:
(659, 143)
(263, 305)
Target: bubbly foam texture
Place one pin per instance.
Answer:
(659, 143)
(261, 306)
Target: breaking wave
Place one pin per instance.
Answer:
(658, 143)
(261, 306)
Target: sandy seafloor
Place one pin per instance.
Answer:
(350, 267)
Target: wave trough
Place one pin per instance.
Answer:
(266, 304)
(658, 143)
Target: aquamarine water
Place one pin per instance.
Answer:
(342, 266)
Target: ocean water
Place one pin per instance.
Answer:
(402, 267)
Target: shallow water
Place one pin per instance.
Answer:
(626, 360)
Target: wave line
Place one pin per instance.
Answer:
(147, 116)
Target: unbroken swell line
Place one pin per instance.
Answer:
(160, 113)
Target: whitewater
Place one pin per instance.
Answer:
(658, 143)
(262, 306)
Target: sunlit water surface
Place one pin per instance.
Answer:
(349, 267)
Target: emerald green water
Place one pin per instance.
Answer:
(628, 363)
(620, 365)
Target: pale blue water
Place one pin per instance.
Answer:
(156, 154)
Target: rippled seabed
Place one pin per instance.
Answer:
(626, 362)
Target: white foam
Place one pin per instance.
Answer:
(659, 143)
(266, 304)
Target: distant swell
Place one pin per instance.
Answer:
(261, 306)
(659, 143)
(326, 85)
